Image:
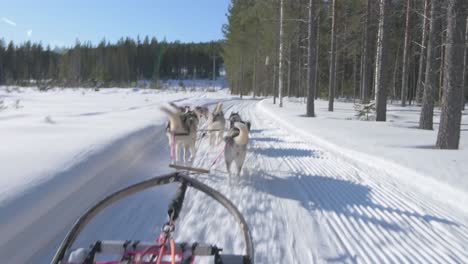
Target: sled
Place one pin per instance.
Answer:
(163, 250)
(189, 169)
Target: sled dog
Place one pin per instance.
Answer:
(202, 112)
(236, 147)
(216, 124)
(235, 117)
(181, 130)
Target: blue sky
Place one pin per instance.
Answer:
(61, 22)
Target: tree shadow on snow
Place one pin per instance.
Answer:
(346, 198)
(258, 131)
(266, 139)
(286, 152)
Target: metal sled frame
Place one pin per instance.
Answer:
(188, 168)
(161, 180)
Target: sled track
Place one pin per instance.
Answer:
(306, 205)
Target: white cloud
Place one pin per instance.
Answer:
(29, 33)
(8, 21)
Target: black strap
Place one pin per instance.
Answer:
(175, 205)
(95, 248)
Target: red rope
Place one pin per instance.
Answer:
(161, 250)
(219, 156)
(172, 251)
(172, 146)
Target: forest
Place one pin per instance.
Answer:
(108, 64)
(370, 51)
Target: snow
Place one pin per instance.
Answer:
(396, 145)
(61, 142)
(69, 125)
(307, 194)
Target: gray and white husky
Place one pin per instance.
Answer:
(235, 117)
(236, 147)
(181, 131)
(216, 124)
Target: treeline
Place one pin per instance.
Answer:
(108, 64)
(411, 51)
(251, 50)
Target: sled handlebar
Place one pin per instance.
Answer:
(177, 205)
(128, 248)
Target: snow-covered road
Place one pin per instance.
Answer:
(303, 204)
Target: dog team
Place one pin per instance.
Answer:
(182, 129)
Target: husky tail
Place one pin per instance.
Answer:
(175, 124)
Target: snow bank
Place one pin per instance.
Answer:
(396, 146)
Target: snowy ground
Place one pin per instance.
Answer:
(304, 199)
(397, 145)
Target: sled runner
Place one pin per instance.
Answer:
(164, 250)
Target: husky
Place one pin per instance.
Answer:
(236, 147)
(216, 124)
(181, 130)
(181, 109)
(235, 117)
(202, 112)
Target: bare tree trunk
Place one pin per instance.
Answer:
(242, 78)
(274, 84)
(361, 68)
(422, 56)
(311, 59)
(465, 69)
(214, 67)
(317, 76)
(406, 49)
(366, 72)
(254, 77)
(299, 88)
(395, 70)
(332, 77)
(381, 64)
(450, 118)
(289, 70)
(342, 73)
(430, 83)
(438, 97)
(280, 58)
(355, 85)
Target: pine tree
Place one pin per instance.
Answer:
(381, 65)
(448, 136)
(311, 62)
(430, 83)
(332, 76)
(406, 53)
